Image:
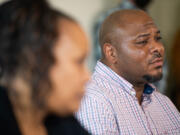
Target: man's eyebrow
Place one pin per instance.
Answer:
(146, 34)
(143, 35)
(149, 23)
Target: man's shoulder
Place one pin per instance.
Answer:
(163, 100)
(167, 108)
(158, 94)
(98, 84)
(97, 90)
(95, 82)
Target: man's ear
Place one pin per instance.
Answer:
(110, 53)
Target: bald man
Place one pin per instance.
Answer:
(120, 98)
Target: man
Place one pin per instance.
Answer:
(124, 4)
(120, 98)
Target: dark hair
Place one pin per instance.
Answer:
(28, 31)
(142, 4)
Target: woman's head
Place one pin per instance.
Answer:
(69, 73)
(33, 50)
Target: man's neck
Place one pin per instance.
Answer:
(139, 91)
(139, 87)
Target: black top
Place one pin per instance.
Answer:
(55, 125)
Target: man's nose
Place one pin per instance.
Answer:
(157, 47)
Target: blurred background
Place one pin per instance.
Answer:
(166, 14)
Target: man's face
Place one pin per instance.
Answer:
(140, 51)
(69, 73)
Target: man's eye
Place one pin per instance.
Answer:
(158, 38)
(142, 42)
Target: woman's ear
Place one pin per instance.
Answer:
(110, 53)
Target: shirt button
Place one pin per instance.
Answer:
(133, 93)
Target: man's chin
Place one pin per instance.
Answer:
(153, 78)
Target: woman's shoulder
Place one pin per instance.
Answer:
(64, 126)
(8, 124)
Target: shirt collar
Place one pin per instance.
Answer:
(109, 74)
(148, 89)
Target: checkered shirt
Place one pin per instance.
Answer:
(110, 107)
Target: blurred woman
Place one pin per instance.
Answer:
(42, 55)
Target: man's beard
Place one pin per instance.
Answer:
(152, 79)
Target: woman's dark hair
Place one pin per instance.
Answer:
(28, 31)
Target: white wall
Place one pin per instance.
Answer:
(85, 12)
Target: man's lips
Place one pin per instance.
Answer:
(157, 62)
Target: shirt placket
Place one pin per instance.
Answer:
(146, 101)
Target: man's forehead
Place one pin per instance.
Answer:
(136, 28)
(143, 21)
(150, 24)
(126, 23)
(132, 21)
(148, 27)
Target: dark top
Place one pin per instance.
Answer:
(54, 124)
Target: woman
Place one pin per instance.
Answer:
(42, 54)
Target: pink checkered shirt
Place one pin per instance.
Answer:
(110, 107)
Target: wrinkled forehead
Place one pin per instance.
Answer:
(139, 23)
(135, 28)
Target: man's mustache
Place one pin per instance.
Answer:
(156, 57)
